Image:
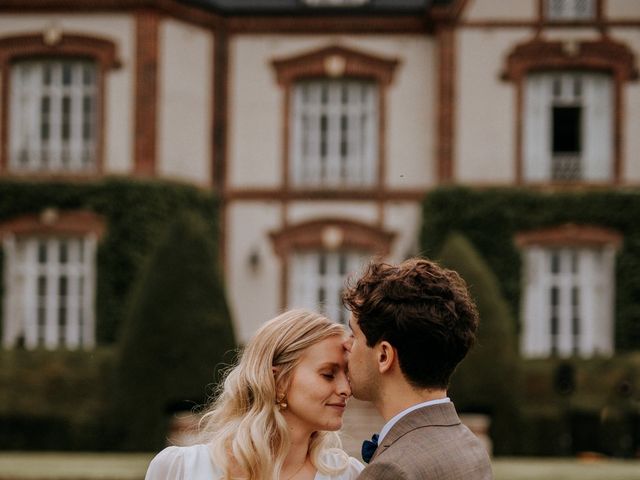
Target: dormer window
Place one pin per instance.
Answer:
(570, 10)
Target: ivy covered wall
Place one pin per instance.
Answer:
(490, 219)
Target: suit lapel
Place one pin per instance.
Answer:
(441, 415)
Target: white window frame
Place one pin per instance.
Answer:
(543, 90)
(317, 279)
(585, 320)
(570, 10)
(334, 133)
(37, 313)
(53, 116)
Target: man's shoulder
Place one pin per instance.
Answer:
(430, 451)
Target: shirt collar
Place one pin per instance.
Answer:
(406, 411)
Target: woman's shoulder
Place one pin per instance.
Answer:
(337, 458)
(174, 463)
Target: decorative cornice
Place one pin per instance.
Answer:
(570, 234)
(54, 222)
(331, 234)
(335, 61)
(60, 44)
(539, 54)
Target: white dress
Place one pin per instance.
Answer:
(194, 463)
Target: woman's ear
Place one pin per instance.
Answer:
(386, 356)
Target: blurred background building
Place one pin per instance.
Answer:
(309, 136)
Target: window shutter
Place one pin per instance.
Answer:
(30, 305)
(11, 327)
(87, 282)
(605, 294)
(537, 158)
(535, 339)
(598, 131)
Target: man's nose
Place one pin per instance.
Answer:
(347, 344)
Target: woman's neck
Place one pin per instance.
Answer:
(299, 448)
(296, 462)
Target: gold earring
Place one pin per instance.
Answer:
(282, 404)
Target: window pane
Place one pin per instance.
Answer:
(45, 292)
(317, 280)
(52, 115)
(568, 302)
(567, 129)
(335, 135)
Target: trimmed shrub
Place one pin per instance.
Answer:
(177, 332)
(486, 381)
(55, 400)
(601, 413)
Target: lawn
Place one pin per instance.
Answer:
(565, 469)
(109, 466)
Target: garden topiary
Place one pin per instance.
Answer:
(486, 381)
(176, 333)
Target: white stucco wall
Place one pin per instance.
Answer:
(571, 34)
(119, 84)
(365, 212)
(622, 10)
(185, 104)
(485, 123)
(256, 121)
(405, 220)
(631, 104)
(501, 10)
(253, 294)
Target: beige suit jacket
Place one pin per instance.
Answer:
(429, 443)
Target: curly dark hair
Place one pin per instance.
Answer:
(423, 310)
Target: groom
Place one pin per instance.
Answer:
(412, 324)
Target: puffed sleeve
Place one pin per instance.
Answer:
(349, 467)
(167, 465)
(353, 470)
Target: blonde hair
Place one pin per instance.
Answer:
(243, 426)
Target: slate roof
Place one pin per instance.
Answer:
(300, 7)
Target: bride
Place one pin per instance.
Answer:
(277, 414)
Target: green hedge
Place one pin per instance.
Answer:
(55, 400)
(600, 413)
(61, 399)
(490, 218)
(136, 213)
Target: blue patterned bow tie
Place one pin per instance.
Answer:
(369, 447)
